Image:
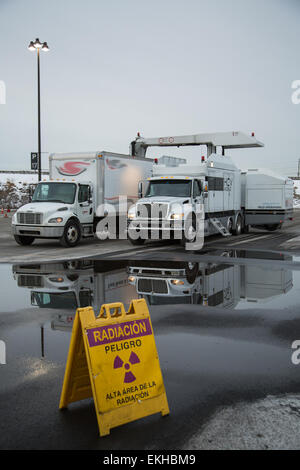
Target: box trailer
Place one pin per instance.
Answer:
(267, 198)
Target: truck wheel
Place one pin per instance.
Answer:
(71, 265)
(189, 234)
(192, 270)
(238, 226)
(229, 224)
(24, 241)
(71, 235)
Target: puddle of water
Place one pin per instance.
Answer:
(38, 304)
(41, 299)
(57, 289)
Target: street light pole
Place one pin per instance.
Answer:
(39, 118)
(32, 47)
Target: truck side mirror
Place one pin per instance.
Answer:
(140, 189)
(31, 190)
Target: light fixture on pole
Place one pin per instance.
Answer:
(36, 46)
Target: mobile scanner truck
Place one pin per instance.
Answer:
(208, 283)
(69, 205)
(232, 200)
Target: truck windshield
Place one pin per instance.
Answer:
(64, 300)
(174, 188)
(55, 192)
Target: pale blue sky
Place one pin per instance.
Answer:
(161, 67)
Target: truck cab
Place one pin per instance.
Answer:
(165, 203)
(59, 209)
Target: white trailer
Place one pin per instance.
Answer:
(231, 201)
(267, 198)
(69, 205)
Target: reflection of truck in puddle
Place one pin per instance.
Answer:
(187, 283)
(208, 283)
(68, 286)
(63, 287)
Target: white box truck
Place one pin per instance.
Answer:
(69, 205)
(232, 201)
(61, 288)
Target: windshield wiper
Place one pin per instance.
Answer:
(50, 200)
(58, 200)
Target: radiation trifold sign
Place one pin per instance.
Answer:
(113, 358)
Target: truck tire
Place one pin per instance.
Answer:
(191, 228)
(238, 226)
(71, 265)
(229, 224)
(24, 241)
(72, 234)
(192, 270)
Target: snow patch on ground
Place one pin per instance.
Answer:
(270, 423)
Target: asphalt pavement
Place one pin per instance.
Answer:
(288, 238)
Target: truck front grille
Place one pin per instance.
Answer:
(30, 218)
(156, 210)
(25, 280)
(156, 286)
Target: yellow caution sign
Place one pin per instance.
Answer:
(113, 358)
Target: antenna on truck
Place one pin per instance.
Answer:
(226, 140)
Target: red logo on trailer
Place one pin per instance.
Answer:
(114, 164)
(72, 168)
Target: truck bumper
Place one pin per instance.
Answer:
(156, 228)
(37, 231)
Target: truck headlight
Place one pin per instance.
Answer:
(131, 213)
(177, 216)
(56, 220)
(177, 282)
(56, 279)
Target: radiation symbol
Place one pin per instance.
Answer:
(133, 359)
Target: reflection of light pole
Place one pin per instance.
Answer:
(42, 342)
(37, 45)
